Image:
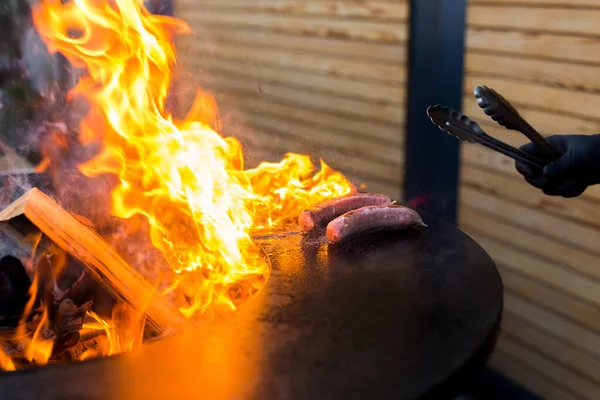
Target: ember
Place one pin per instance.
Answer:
(179, 182)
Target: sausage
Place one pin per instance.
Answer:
(320, 214)
(372, 218)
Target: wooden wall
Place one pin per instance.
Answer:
(323, 77)
(544, 56)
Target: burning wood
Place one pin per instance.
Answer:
(182, 178)
(102, 261)
(92, 344)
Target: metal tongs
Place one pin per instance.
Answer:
(501, 111)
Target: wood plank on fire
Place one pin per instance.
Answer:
(67, 232)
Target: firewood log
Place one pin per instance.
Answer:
(82, 243)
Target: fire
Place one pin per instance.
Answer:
(183, 177)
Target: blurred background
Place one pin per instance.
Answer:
(346, 81)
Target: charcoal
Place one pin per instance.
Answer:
(14, 290)
(95, 345)
(68, 322)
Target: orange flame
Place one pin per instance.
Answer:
(124, 331)
(185, 178)
(6, 363)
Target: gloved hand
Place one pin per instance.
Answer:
(569, 175)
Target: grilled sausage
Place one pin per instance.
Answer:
(369, 219)
(320, 214)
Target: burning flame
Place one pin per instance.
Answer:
(183, 177)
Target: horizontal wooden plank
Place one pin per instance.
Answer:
(557, 373)
(572, 334)
(366, 147)
(563, 3)
(352, 29)
(580, 104)
(236, 102)
(347, 163)
(360, 147)
(390, 114)
(549, 72)
(562, 230)
(475, 155)
(519, 191)
(332, 47)
(517, 328)
(373, 9)
(343, 86)
(327, 65)
(503, 229)
(271, 134)
(546, 122)
(529, 377)
(574, 48)
(538, 19)
(559, 278)
(568, 307)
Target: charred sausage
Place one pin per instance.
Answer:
(369, 219)
(320, 214)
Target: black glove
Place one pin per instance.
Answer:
(572, 173)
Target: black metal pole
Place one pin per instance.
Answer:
(436, 51)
